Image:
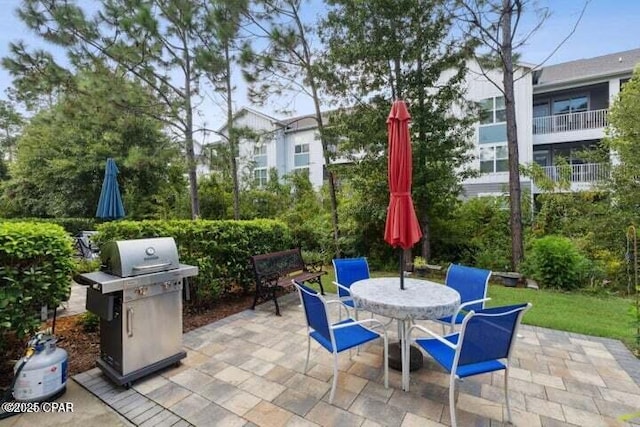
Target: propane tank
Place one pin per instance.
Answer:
(42, 373)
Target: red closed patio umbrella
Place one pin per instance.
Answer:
(402, 228)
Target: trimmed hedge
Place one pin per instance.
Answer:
(72, 225)
(220, 249)
(36, 264)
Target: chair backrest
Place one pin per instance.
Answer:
(315, 310)
(470, 282)
(489, 334)
(348, 271)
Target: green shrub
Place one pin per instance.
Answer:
(554, 262)
(35, 270)
(86, 265)
(220, 249)
(89, 321)
(73, 226)
(477, 233)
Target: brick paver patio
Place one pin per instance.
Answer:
(247, 370)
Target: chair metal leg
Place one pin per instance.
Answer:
(358, 347)
(386, 361)
(452, 400)
(335, 377)
(506, 392)
(306, 363)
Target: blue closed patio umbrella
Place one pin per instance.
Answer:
(110, 203)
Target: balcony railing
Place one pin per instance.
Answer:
(593, 119)
(584, 173)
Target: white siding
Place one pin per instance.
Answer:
(479, 88)
(316, 158)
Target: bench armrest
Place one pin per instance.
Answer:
(314, 267)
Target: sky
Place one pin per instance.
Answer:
(607, 26)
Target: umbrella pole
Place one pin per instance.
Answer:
(402, 269)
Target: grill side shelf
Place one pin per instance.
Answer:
(109, 283)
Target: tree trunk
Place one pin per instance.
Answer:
(311, 78)
(426, 237)
(233, 138)
(515, 219)
(191, 158)
(422, 163)
(331, 175)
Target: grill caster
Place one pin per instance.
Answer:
(127, 386)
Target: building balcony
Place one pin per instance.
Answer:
(579, 176)
(594, 119)
(581, 126)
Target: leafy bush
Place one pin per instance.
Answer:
(554, 262)
(86, 265)
(596, 224)
(220, 249)
(36, 263)
(72, 225)
(89, 321)
(478, 234)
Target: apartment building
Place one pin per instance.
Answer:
(561, 110)
(288, 145)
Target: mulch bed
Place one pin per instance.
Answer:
(83, 347)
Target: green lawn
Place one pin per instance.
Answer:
(574, 312)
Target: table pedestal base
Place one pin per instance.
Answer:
(395, 357)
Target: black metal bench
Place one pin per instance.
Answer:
(275, 271)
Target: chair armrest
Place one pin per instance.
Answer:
(362, 323)
(344, 288)
(433, 334)
(337, 301)
(468, 303)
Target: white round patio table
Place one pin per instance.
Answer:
(419, 300)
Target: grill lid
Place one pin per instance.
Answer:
(127, 258)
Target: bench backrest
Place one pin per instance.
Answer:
(277, 263)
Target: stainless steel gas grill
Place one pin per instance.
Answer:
(138, 296)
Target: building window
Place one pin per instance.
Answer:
(494, 158)
(260, 177)
(570, 105)
(492, 110)
(493, 128)
(301, 156)
(260, 156)
(541, 109)
(260, 164)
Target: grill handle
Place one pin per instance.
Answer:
(152, 266)
(130, 322)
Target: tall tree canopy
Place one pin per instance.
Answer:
(159, 42)
(62, 152)
(283, 58)
(380, 50)
(624, 139)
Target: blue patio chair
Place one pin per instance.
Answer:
(484, 344)
(471, 283)
(348, 271)
(340, 336)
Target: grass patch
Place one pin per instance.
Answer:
(601, 316)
